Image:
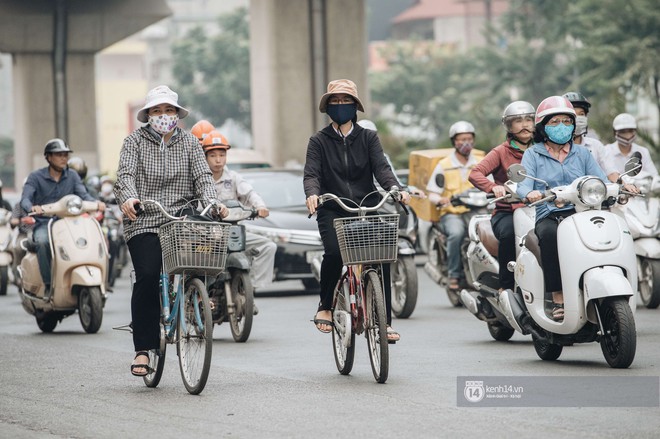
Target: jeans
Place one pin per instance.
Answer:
(502, 223)
(44, 257)
(455, 229)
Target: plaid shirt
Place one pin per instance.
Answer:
(172, 174)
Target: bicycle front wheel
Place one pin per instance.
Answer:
(343, 337)
(195, 336)
(377, 328)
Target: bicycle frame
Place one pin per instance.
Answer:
(360, 321)
(169, 316)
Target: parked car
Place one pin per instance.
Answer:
(238, 159)
(297, 236)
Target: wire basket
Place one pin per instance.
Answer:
(198, 246)
(368, 239)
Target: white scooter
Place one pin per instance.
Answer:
(78, 271)
(6, 256)
(598, 270)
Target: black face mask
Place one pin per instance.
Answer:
(342, 113)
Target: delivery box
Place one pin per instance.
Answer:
(421, 166)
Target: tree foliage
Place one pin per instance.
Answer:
(213, 72)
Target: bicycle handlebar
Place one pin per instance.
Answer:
(140, 209)
(394, 193)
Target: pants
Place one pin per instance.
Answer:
(263, 261)
(44, 257)
(145, 302)
(455, 228)
(546, 231)
(502, 223)
(332, 264)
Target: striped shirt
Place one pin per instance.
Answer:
(172, 174)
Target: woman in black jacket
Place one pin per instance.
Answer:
(344, 158)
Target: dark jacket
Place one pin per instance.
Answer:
(346, 166)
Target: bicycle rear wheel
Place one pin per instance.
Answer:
(157, 364)
(195, 336)
(376, 332)
(343, 337)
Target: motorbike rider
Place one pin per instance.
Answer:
(230, 185)
(47, 185)
(618, 152)
(341, 151)
(4, 203)
(581, 105)
(518, 120)
(201, 129)
(453, 223)
(555, 160)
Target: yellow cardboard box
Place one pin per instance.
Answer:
(421, 165)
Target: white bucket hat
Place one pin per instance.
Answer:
(160, 95)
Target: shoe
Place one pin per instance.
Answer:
(392, 335)
(318, 322)
(144, 366)
(454, 284)
(255, 310)
(557, 312)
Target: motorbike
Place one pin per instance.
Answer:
(436, 266)
(78, 271)
(642, 214)
(6, 256)
(231, 292)
(598, 271)
(111, 224)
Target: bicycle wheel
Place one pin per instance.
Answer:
(195, 336)
(343, 337)
(377, 328)
(157, 364)
(242, 295)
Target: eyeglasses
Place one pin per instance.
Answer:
(557, 120)
(336, 101)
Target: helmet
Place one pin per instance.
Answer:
(56, 145)
(201, 129)
(215, 140)
(624, 121)
(515, 110)
(78, 165)
(460, 127)
(551, 106)
(578, 100)
(367, 124)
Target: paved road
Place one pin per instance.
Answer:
(283, 381)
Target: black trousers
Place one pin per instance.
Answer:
(546, 231)
(502, 223)
(145, 301)
(332, 264)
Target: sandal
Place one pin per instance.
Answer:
(558, 312)
(146, 367)
(454, 284)
(318, 322)
(392, 335)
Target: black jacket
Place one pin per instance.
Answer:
(347, 166)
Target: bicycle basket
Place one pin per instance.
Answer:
(198, 246)
(368, 239)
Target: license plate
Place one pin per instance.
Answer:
(310, 256)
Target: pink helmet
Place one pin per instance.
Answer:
(553, 105)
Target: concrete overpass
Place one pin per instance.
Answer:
(297, 46)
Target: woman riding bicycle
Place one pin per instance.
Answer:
(343, 158)
(161, 162)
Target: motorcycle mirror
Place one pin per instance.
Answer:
(440, 180)
(516, 173)
(633, 165)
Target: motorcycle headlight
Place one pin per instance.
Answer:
(74, 206)
(592, 191)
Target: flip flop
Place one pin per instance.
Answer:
(395, 336)
(322, 322)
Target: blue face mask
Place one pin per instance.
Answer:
(342, 113)
(559, 134)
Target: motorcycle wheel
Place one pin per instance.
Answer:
(500, 332)
(240, 319)
(649, 282)
(545, 350)
(4, 280)
(47, 322)
(619, 340)
(90, 308)
(404, 286)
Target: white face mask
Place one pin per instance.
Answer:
(625, 141)
(163, 123)
(580, 125)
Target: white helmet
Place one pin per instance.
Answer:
(624, 121)
(515, 110)
(460, 127)
(367, 124)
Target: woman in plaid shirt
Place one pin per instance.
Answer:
(160, 162)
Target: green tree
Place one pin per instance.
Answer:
(213, 72)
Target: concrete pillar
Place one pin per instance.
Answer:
(296, 47)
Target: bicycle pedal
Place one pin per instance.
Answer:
(128, 327)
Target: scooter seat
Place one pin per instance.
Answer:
(487, 237)
(531, 241)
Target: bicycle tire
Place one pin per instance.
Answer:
(195, 342)
(242, 294)
(343, 336)
(157, 364)
(376, 332)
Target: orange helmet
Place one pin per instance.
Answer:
(215, 140)
(201, 129)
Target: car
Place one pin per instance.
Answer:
(241, 158)
(297, 236)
